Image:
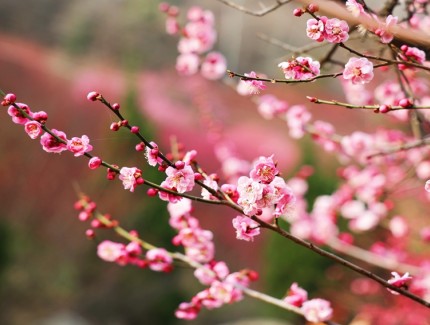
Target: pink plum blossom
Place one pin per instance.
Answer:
(296, 296)
(79, 146)
(159, 260)
(300, 68)
(211, 271)
(398, 226)
(179, 209)
(17, 116)
(187, 310)
(354, 7)
(399, 281)
(213, 185)
(384, 31)
(110, 251)
(413, 54)
(182, 180)
(201, 252)
(317, 310)
(297, 118)
(315, 29)
(269, 106)
(214, 66)
(33, 129)
(172, 25)
(264, 170)
(51, 144)
(246, 229)
(187, 64)
(358, 70)
(249, 193)
(130, 177)
(336, 30)
(152, 154)
(250, 86)
(427, 186)
(94, 163)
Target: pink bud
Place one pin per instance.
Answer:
(134, 129)
(312, 8)
(94, 163)
(40, 116)
(179, 165)
(96, 223)
(90, 233)
(140, 146)
(312, 99)
(405, 103)
(152, 192)
(84, 216)
(116, 106)
(114, 126)
(93, 96)
(10, 98)
(298, 12)
(404, 47)
(164, 7)
(124, 123)
(198, 177)
(384, 108)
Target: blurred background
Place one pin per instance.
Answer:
(52, 53)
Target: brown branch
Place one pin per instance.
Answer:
(260, 13)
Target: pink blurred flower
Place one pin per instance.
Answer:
(187, 310)
(110, 251)
(269, 106)
(399, 281)
(296, 296)
(212, 271)
(250, 87)
(354, 7)
(214, 66)
(384, 30)
(317, 310)
(358, 70)
(159, 260)
(297, 117)
(187, 64)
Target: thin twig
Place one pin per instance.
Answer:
(260, 13)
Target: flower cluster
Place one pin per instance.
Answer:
(332, 30)
(262, 190)
(300, 68)
(198, 36)
(314, 310)
(54, 141)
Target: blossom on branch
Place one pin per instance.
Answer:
(300, 68)
(79, 146)
(246, 228)
(358, 70)
(51, 144)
